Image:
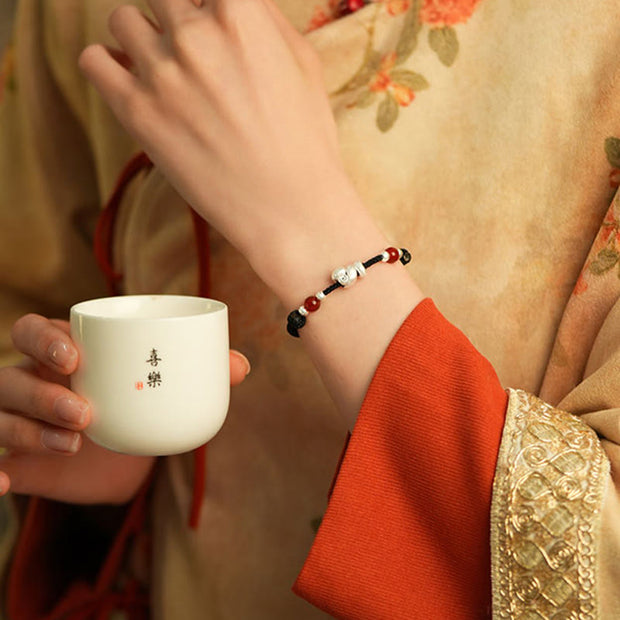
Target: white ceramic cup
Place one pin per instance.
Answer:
(155, 369)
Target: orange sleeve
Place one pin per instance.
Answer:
(406, 531)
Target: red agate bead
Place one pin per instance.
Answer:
(393, 254)
(311, 304)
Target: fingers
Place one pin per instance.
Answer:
(23, 435)
(137, 36)
(46, 342)
(63, 326)
(37, 416)
(110, 77)
(239, 367)
(172, 12)
(24, 393)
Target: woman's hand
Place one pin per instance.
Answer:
(228, 99)
(41, 424)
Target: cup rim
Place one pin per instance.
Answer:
(86, 308)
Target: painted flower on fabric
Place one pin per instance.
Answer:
(581, 286)
(397, 7)
(609, 228)
(381, 78)
(323, 14)
(606, 250)
(441, 16)
(385, 80)
(612, 150)
(398, 86)
(441, 13)
(319, 18)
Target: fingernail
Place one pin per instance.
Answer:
(61, 354)
(71, 410)
(60, 441)
(245, 360)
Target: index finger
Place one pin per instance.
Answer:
(107, 70)
(45, 341)
(171, 12)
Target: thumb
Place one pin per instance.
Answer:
(239, 367)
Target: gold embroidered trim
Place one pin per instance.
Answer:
(545, 515)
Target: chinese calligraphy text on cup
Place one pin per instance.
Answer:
(155, 369)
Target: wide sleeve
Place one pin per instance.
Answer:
(406, 531)
(458, 500)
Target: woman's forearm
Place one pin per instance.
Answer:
(348, 335)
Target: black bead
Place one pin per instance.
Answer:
(294, 322)
(293, 331)
(296, 319)
(406, 257)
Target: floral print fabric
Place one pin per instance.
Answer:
(382, 80)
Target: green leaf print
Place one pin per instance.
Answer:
(444, 43)
(408, 39)
(381, 70)
(387, 112)
(410, 79)
(371, 66)
(612, 149)
(605, 260)
(366, 99)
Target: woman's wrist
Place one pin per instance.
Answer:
(348, 336)
(300, 256)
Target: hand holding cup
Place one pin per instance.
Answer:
(46, 454)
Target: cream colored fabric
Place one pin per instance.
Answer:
(475, 133)
(596, 400)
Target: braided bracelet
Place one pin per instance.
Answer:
(343, 277)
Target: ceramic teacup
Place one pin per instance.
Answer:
(155, 369)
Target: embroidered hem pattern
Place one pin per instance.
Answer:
(545, 516)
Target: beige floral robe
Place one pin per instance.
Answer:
(482, 134)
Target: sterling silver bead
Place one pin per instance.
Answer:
(359, 267)
(345, 276)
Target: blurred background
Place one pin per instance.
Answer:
(7, 8)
